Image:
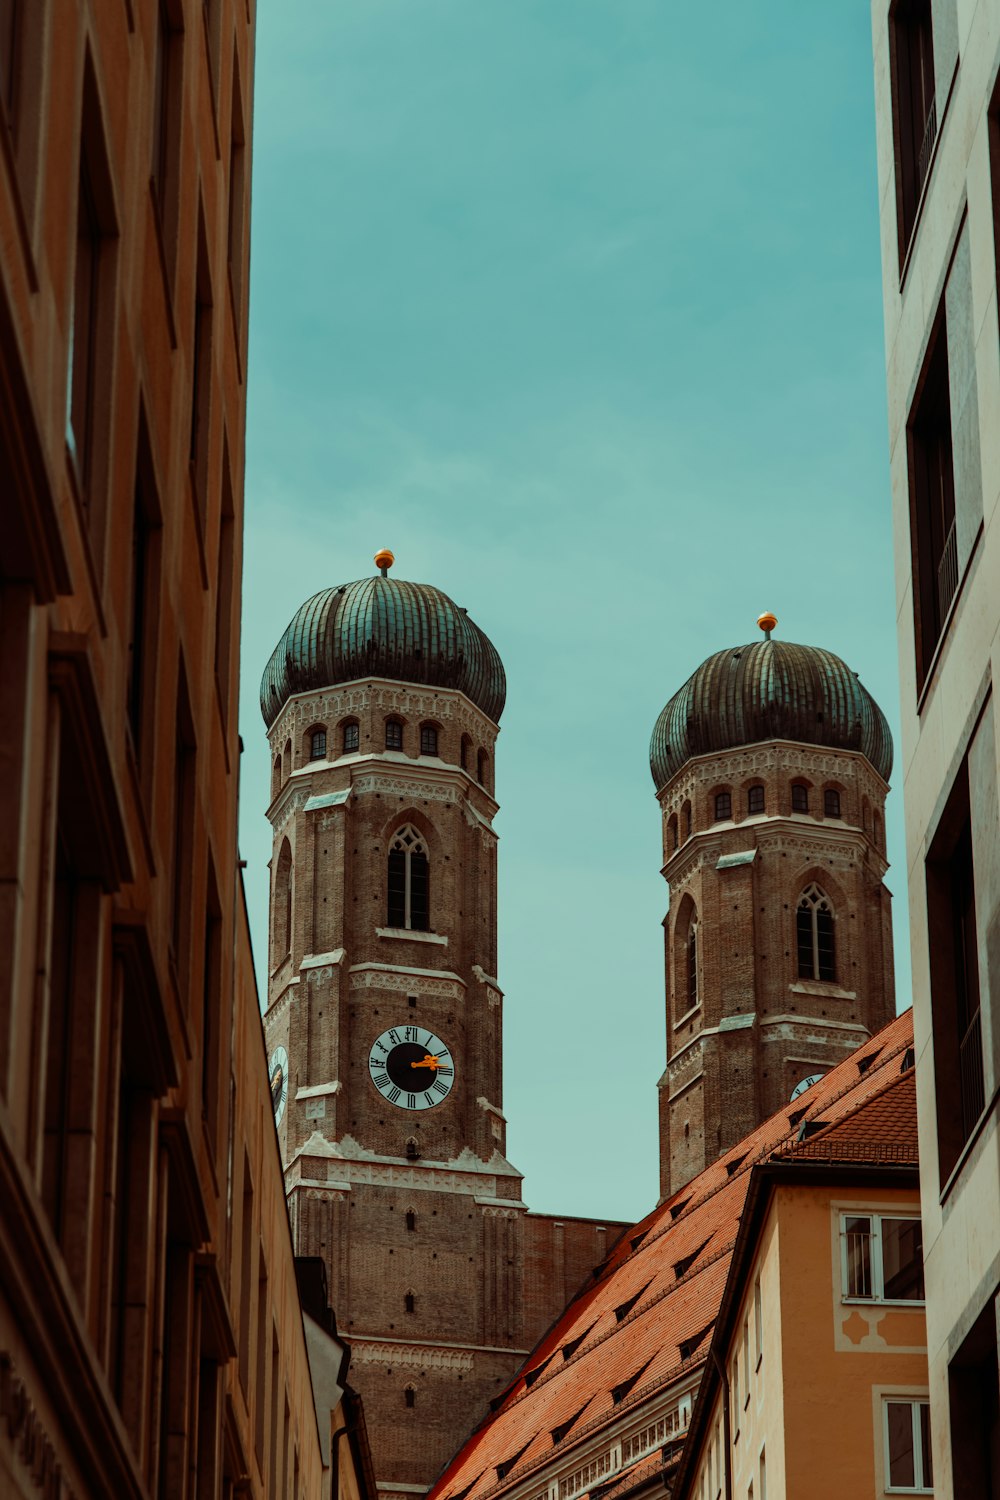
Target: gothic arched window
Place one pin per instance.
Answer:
(800, 797)
(409, 1302)
(686, 816)
(410, 1396)
(428, 739)
(831, 803)
(814, 935)
(393, 734)
(692, 964)
(755, 799)
(409, 881)
(482, 763)
(317, 744)
(672, 833)
(351, 736)
(276, 777)
(723, 806)
(283, 903)
(466, 746)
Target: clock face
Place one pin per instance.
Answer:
(278, 1074)
(411, 1067)
(806, 1083)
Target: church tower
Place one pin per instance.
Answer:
(382, 702)
(771, 766)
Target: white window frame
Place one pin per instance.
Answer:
(878, 1269)
(915, 1403)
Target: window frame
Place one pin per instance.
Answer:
(812, 900)
(428, 739)
(316, 734)
(392, 725)
(877, 1297)
(345, 731)
(722, 806)
(799, 789)
(831, 803)
(407, 853)
(752, 791)
(923, 1486)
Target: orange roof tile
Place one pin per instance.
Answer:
(601, 1341)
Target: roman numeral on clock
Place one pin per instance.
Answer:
(411, 1101)
(381, 1080)
(439, 1087)
(429, 1099)
(393, 1094)
(444, 1072)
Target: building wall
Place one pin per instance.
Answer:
(940, 294)
(812, 1403)
(142, 1351)
(755, 1028)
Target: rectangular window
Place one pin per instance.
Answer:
(735, 1385)
(758, 1320)
(225, 581)
(211, 1009)
(954, 967)
(237, 198)
(746, 1359)
(83, 332)
(974, 1410)
(908, 1446)
(914, 112)
(932, 503)
(9, 20)
(201, 379)
(882, 1258)
(143, 597)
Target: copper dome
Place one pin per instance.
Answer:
(769, 690)
(383, 627)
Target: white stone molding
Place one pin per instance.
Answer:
(412, 787)
(501, 1208)
(316, 1090)
(323, 960)
(411, 935)
(278, 1007)
(485, 1105)
(407, 981)
(822, 991)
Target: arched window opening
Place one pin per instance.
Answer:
(276, 777)
(409, 1302)
(692, 965)
(409, 882)
(351, 736)
(464, 751)
(831, 803)
(723, 806)
(672, 833)
(286, 761)
(482, 761)
(800, 797)
(428, 739)
(317, 744)
(393, 734)
(283, 904)
(686, 818)
(411, 1220)
(814, 935)
(755, 800)
(410, 1396)
(877, 831)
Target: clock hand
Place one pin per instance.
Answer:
(428, 1062)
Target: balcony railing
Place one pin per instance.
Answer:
(926, 146)
(947, 574)
(970, 1054)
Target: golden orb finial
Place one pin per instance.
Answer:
(384, 561)
(767, 622)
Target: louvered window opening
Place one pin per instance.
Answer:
(408, 883)
(814, 933)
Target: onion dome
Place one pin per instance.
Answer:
(383, 627)
(769, 690)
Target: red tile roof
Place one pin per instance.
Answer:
(852, 1114)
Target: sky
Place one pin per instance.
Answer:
(575, 305)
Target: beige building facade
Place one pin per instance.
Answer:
(937, 104)
(151, 1338)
